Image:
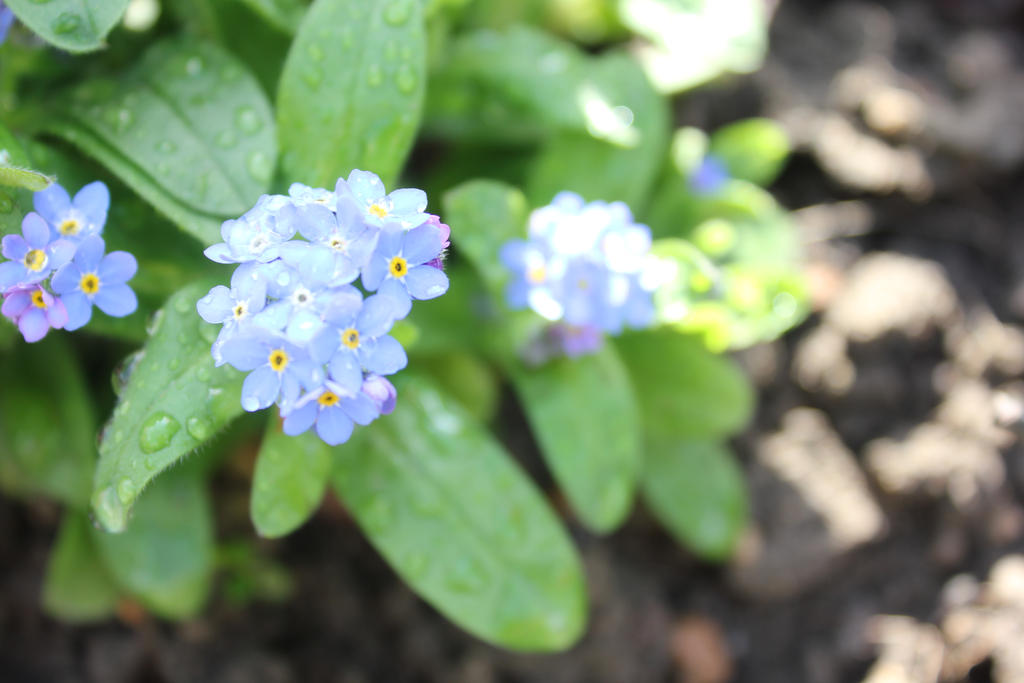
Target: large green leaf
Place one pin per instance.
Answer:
(42, 387)
(290, 480)
(685, 391)
(165, 556)
(696, 489)
(188, 129)
(451, 512)
(352, 89)
(78, 586)
(173, 401)
(72, 25)
(284, 15)
(599, 169)
(585, 417)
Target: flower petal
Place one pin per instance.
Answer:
(376, 317)
(117, 267)
(260, 389)
(36, 230)
(395, 291)
(361, 409)
(57, 314)
(52, 203)
(12, 274)
(334, 426)
(408, 200)
(346, 371)
(384, 356)
(33, 325)
(116, 300)
(93, 200)
(422, 244)
(375, 272)
(90, 253)
(366, 186)
(14, 247)
(300, 419)
(15, 303)
(426, 282)
(215, 307)
(79, 310)
(245, 353)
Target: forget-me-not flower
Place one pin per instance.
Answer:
(405, 207)
(34, 311)
(34, 255)
(277, 369)
(398, 267)
(92, 278)
(334, 410)
(78, 218)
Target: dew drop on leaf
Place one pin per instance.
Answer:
(157, 432)
(248, 120)
(259, 166)
(126, 490)
(374, 75)
(397, 13)
(226, 139)
(109, 510)
(199, 427)
(468, 576)
(6, 204)
(313, 77)
(66, 22)
(166, 146)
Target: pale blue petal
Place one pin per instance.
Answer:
(399, 297)
(245, 353)
(384, 356)
(52, 203)
(117, 267)
(376, 317)
(408, 201)
(93, 200)
(116, 300)
(345, 370)
(260, 389)
(333, 426)
(14, 247)
(361, 409)
(300, 419)
(66, 279)
(426, 282)
(422, 244)
(36, 231)
(90, 254)
(79, 310)
(375, 272)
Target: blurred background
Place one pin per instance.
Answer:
(884, 468)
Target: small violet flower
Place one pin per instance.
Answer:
(277, 369)
(78, 218)
(334, 410)
(34, 311)
(405, 207)
(398, 267)
(33, 254)
(92, 278)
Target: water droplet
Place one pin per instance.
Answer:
(174, 364)
(163, 168)
(110, 511)
(157, 432)
(391, 50)
(166, 146)
(230, 72)
(315, 52)
(406, 79)
(203, 374)
(208, 332)
(199, 427)
(397, 13)
(6, 203)
(193, 66)
(313, 77)
(248, 120)
(226, 139)
(66, 22)
(467, 576)
(119, 436)
(374, 75)
(126, 491)
(182, 305)
(259, 166)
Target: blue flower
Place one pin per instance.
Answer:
(33, 255)
(278, 369)
(299, 310)
(333, 409)
(75, 219)
(365, 189)
(6, 19)
(234, 308)
(536, 272)
(709, 177)
(349, 239)
(92, 278)
(381, 392)
(304, 194)
(397, 267)
(34, 311)
(357, 340)
(257, 234)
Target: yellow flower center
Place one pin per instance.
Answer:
(337, 244)
(278, 360)
(35, 259)
(69, 226)
(239, 310)
(350, 338)
(90, 284)
(398, 267)
(378, 209)
(536, 274)
(328, 398)
(37, 299)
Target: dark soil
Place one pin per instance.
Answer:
(887, 481)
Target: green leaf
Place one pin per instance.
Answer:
(72, 25)
(188, 129)
(465, 377)
(290, 480)
(696, 489)
(754, 150)
(352, 90)
(284, 15)
(174, 400)
(596, 168)
(584, 414)
(485, 214)
(15, 201)
(458, 520)
(25, 178)
(42, 387)
(78, 586)
(165, 556)
(685, 391)
(695, 42)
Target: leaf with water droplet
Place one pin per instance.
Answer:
(525, 595)
(284, 15)
(176, 96)
(330, 115)
(696, 489)
(78, 586)
(585, 418)
(43, 386)
(152, 416)
(26, 178)
(165, 556)
(72, 25)
(289, 481)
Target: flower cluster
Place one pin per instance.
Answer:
(58, 269)
(585, 268)
(292, 318)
